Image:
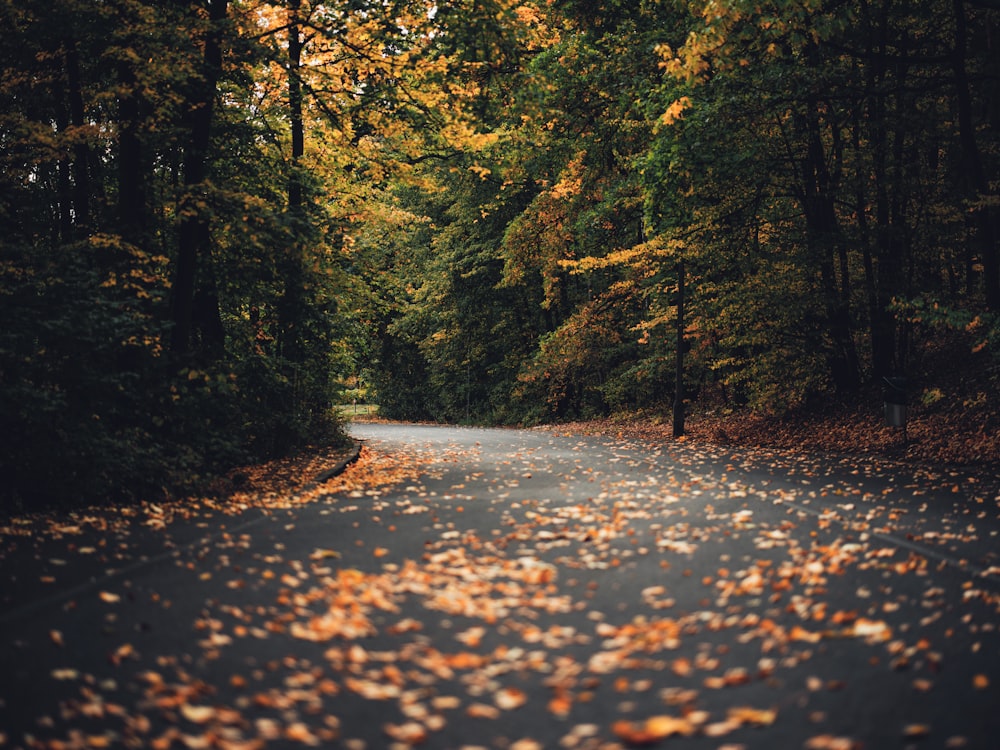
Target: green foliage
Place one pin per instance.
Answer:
(589, 364)
(99, 116)
(89, 398)
(981, 329)
(808, 163)
(478, 212)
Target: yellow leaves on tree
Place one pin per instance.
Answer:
(676, 110)
(539, 240)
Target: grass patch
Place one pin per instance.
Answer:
(350, 411)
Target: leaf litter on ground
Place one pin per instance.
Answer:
(505, 602)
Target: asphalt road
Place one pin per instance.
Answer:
(524, 589)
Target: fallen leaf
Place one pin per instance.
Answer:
(872, 630)
(324, 554)
(798, 633)
(482, 711)
(736, 676)
(830, 742)
(560, 705)
(509, 698)
(197, 714)
(411, 732)
(652, 730)
(406, 625)
(125, 651)
(300, 732)
(753, 716)
(682, 667)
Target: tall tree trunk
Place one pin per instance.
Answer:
(64, 185)
(81, 151)
(290, 317)
(295, 105)
(824, 235)
(678, 420)
(882, 259)
(131, 179)
(194, 238)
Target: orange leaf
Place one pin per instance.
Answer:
(798, 633)
(754, 716)
(873, 630)
(682, 667)
(509, 698)
(197, 714)
(483, 711)
(560, 705)
(301, 733)
(125, 651)
(652, 730)
(412, 732)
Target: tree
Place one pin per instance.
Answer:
(847, 118)
(194, 233)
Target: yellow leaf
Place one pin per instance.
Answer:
(753, 716)
(874, 630)
(676, 110)
(197, 714)
(510, 698)
(482, 711)
(324, 554)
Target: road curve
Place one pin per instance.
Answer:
(461, 587)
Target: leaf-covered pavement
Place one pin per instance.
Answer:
(500, 589)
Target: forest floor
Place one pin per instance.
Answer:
(960, 434)
(953, 418)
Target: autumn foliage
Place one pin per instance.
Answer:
(217, 212)
(810, 166)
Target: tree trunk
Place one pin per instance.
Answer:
(194, 238)
(824, 236)
(678, 426)
(291, 303)
(882, 256)
(131, 181)
(64, 186)
(295, 105)
(81, 151)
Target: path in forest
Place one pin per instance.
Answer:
(462, 587)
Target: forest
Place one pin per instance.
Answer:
(220, 218)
